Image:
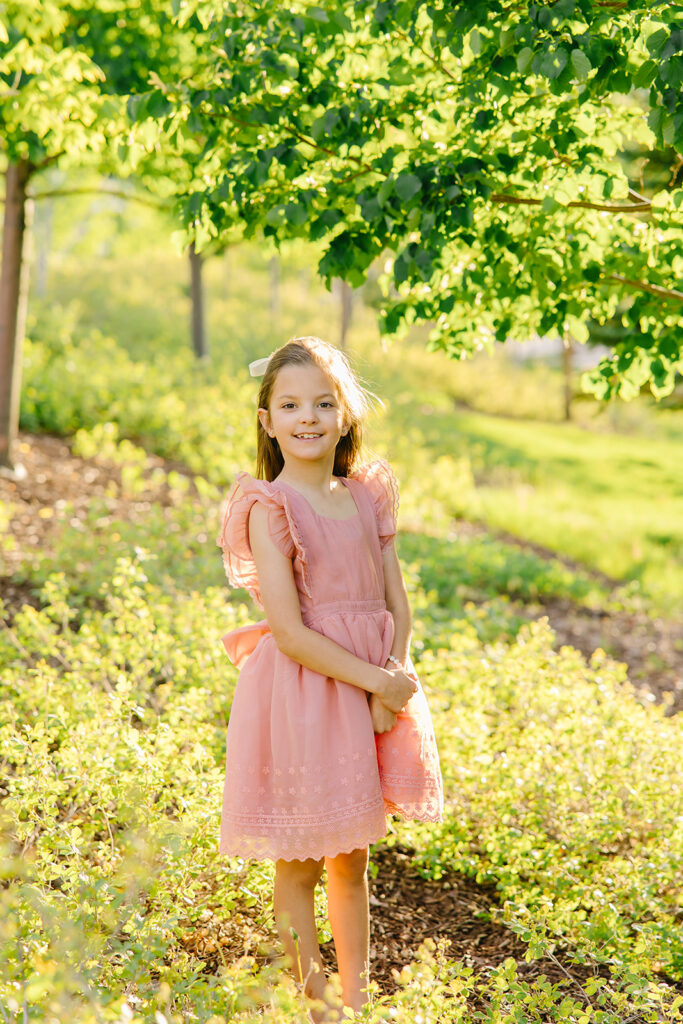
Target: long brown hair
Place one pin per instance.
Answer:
(355, 401)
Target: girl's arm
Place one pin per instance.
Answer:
(397, 603)
(306, 646)
(383, 719)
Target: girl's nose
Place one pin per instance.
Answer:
(308, 414)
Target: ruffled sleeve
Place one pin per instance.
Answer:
(379, 479)
(233, 536)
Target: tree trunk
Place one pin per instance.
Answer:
(346, 295)
(567, 350)
(199, 343)
(13, 300)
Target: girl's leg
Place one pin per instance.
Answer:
(348, 909)
(293, 906)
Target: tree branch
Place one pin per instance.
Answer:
(430, 56)
(641, 206)
(14, 87)
(50, 160)
(117, 193)
(330, 152)
(645, 286)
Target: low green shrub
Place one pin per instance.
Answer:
(184, 411)
(563, 789)
(559, 786)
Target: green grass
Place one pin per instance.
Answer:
(614, 503)
(610, 500)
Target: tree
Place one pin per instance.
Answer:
(48, 98)
(475, 147)
(68, 72)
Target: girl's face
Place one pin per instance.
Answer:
(305, 414)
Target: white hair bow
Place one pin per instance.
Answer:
(258, 367)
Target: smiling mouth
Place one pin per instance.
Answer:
(307, 437)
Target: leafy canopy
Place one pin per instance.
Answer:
(474, 147)
(70, 70)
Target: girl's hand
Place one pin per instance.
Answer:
(393, 663)
(397, 689)
(383, 720)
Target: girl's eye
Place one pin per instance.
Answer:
(327, 404)
(288, 405)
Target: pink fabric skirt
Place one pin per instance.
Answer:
(306, 776)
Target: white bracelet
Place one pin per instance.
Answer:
(390, 657)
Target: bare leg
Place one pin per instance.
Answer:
(293, 906)
(347, 902)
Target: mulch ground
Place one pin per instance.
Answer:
(405, 908)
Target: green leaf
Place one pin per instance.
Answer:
(318, 128)
(341, 20)
(158, 105)
(275, 216)
(407, 186)
(553, 63)
(592, 272)
(318, 14)
(671, 72)
(578, 329)
(646, 74)
(657, 41)
(296, 214)
(655, 119)
(370, 208)
(553, 15)
(581, 64)
(136, 107)
(524, 58)
(385, 190)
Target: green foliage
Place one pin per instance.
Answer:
(476, 144)
(558, 783)
(178, 410)
(563, 790)
(116, 695)
(50, 91)
(67, 71)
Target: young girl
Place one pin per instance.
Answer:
(329, 729)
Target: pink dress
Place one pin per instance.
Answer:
(306, 776)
